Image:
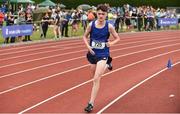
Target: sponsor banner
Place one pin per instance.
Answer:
(167, 21)
(17, 30)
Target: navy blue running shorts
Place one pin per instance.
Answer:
(93, 59)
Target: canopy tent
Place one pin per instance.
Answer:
(62, 6)
(47, 3)
(84, 7)
(41, 10)
(3, 0)
(39, 13)
(21, 1)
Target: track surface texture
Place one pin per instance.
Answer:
(54, 76)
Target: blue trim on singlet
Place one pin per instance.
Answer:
(101, 35)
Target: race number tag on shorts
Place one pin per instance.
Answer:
(98, 45)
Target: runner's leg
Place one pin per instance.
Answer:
(100, 68)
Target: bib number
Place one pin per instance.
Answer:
(98, 45)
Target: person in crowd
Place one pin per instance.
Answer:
(150, 19)
(68, 18)
(157, 15)
(28, 21)
(64, 22)
(21, 21)
(45, 24)
(127, 20)
(9, 22)
(57, 24)
(139, 18)
(84, 20)
(117, 21)
(74, 24)
(1, 19)
(90, 16)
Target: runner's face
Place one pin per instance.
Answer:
(101, 15)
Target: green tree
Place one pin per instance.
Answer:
(155, 3)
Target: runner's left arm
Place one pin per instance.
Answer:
(115, 36)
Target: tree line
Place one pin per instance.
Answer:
(154, 3)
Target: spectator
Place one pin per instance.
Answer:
(20, 21)
(28, 21)
(139, 18)
(150, 18)
(84, 21)
(74, 24)
(90, 16)
(68, 18)
(157, 15)
(57, 32)
(127, 20)
(117, 21)
(1, 19)
(9, 22)
(45, 23)
(64, 23)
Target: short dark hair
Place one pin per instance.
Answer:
(102, 7)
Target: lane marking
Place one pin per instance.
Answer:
(13, 52)
(74, 47)
(134, 87)
(32, 60)
(118, 69)
(38, 44)
(36, 49)
(47, 65)
(77, 68)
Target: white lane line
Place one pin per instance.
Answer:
(134, 87)
(47, 65)
(67, 71)
(151, 33)
(118, 69)
(46, 43)
(38, 59)
(13, 52)
(39, 44)
(32, 60)
(36, 49)
(32, 82)
(38, 53)
(74, 47)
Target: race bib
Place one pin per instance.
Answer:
(98, 45)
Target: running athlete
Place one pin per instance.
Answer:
(98, 48)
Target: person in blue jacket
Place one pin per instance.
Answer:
(98, 48)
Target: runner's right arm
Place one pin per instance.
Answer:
(85, 37)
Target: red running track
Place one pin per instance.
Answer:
(55, 77)
(160, 94)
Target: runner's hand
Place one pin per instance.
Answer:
(108, 44)
(91, 51)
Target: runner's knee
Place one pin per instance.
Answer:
(96, 79)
